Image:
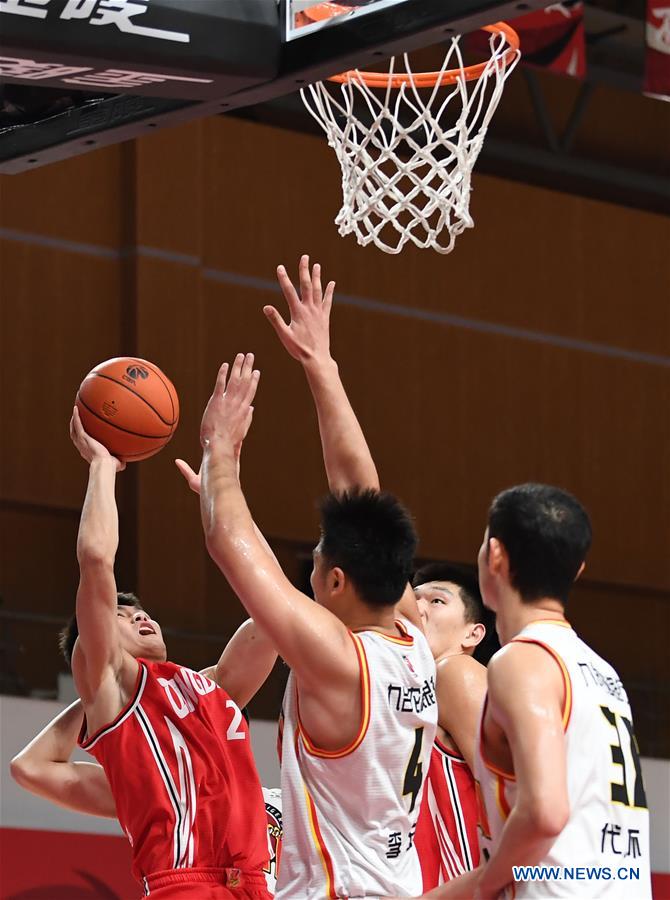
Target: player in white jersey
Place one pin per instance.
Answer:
(358, 677)
(557, 761)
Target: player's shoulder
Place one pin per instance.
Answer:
(518, 663)
(458, 669)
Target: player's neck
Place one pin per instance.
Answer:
(513, 618)
(362, 618)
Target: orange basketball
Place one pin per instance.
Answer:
(130, 406)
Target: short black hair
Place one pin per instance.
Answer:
(546, 533)
(465, 580)
(370, 536)
(69, 634)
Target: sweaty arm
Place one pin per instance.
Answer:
(346, 455)
(44, 768)
(461, 687)
(314, 643)
(246, 662)
(525, 690)
(97, 651)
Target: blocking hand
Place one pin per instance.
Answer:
(307, 336)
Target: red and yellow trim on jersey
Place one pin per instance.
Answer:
(567, 681)
(501, 800)
(324, 855)
(508, 776)
(364, 671)
(404, 638)
(562, 623)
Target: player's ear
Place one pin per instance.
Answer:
(496, 557)
(336, 580)
(474, 634)
(580, 571)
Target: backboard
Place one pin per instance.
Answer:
(303, 17)
(153, 63)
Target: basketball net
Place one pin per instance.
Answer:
(407, 143)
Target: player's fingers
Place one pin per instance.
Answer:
(289, 292)
(304, 277)
(317, 290)
(78, 428)
(252, 387)
(328, 296)
(186, 471)
(247, 366)
(236, 370)
(220, 386)
(276, 321)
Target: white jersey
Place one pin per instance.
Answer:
(350, 815)
(608, 828)
(272, 798)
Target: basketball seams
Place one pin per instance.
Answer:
(167, 386)
(170, 425)
(149, 437)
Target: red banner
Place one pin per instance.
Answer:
(57, 865)
(657, 64)
(551, 38)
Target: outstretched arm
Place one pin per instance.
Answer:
(313, 642)
(98, 648)
(346, 455)
(249, 656)
(44, 768)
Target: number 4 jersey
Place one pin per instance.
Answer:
(178, 760)
(608, 829)
(350, 815)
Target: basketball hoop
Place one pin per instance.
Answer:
(406, 166)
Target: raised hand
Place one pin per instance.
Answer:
(229, 411)
(307, 336)
(88, 447)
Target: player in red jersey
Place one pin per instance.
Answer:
(451, 607)
(45, 766)
(173, 744)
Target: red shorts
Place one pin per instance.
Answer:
(206, 884)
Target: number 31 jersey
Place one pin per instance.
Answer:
(350, 815)
(608, 828)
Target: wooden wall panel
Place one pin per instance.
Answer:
(60, 317)
(77, 199)
(613, 262)
(170, 188)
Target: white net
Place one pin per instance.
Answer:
(407, 152)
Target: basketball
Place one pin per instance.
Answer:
(130, 406)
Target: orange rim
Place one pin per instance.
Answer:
(322, 11)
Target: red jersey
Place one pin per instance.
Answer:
(446, 833)
(178, 760)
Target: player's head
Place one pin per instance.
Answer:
(451, 608)
(140, 635)
(535, 545)
(365, 553)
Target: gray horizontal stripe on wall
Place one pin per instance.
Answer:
(442, 318)
(43, 240)
(367, 303)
